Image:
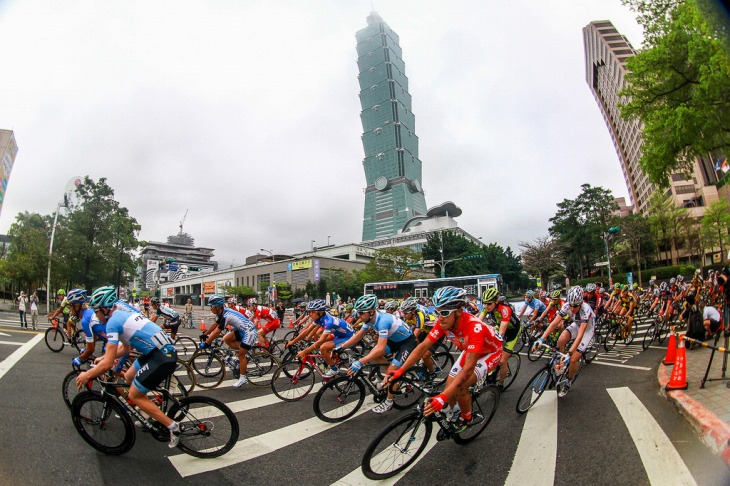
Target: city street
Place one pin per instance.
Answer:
(613, 428)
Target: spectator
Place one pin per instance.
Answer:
(712, 320)
(22, 307)
(33, 300)
(280, 310)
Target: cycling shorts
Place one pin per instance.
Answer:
(245, 339)
(587, 336)
(173, 325)
(402, 350)
(484, 365)
(510, 338)
(154, 367)
(271, 326)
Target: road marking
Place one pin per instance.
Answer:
(357, 478)
(3, 334)
(662, 462)
(13, 343)
(251, 403)
(11, 360)
(534, 461)
(20, 331)
(617, 365)
(263, 444)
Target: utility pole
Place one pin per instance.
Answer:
(606, 236)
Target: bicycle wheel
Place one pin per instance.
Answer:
(277, 348)
(209, 369)
(184, 375)
(513, 368)
(534, 355)
(443, 361)
(662, 332)
(261, 367)
(79, 340)
(649, 336)
(592, 349)
(209, 427)
(55, 339)
(534, 390)
(405, 393)
(612, 335)
(293, 381)
(339, 399)
(102, 423)
(484, 402)
(399, 444)
(630, 335)
(69, 390)
(185, 347)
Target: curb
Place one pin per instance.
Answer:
(714, 431)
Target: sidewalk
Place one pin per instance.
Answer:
(707, 409)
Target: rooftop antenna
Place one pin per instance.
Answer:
(183, 221)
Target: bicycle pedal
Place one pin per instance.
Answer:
(442, 435)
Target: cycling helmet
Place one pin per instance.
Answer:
(529, 294)
(251, 301)
(502, 299)
(710, 272)
(543, 294)
(555, 294)
(103, 298)
(698, 271)
(602, 290)
(680, 278)
(155, 300)
(367, 302)
(317, 305)
(77, 296)
(302, 304)
(349, 307)
(449, 298)
(575, 295)
(663, 286)
(381, 303)
(591, 287)
(490, 295)
(61, 292)
(391, 305)
(231, 300)
(672, 281)
(216, 300)
(616, 286)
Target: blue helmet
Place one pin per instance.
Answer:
(449, 298)
(216, 300)
(103, 298)
(367, 302)
(77, 296)
(317, 305)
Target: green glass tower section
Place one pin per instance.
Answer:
(394, 193)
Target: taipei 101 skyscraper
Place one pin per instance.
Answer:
(394, 193)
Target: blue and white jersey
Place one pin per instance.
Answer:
(125, 306)
(236, 320)
(134, 329)
(167, 313)
(389, 326)
(92, 327)
(583, 314)
(339, 328)
(536, 304)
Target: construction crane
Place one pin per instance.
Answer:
(183, 221)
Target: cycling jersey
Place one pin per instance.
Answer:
(92, 327)
(627, 300)
(553, 308)
(265, 313)
(584, 314)
(536, 304)
(137, 331)
(340, 329)
(121, 305)
(236, 320)
(470, 334)
(593, 299)
(169, 314)
(390, 327)
(420, 321)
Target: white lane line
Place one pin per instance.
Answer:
(11, 360)
(13, 343)
(662, 462)
(357, 478)
(254, 447)
(3, 334)
(534, 461)
(251, 403)
(617, 365)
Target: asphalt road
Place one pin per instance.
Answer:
(613, 428)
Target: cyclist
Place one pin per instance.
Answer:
(498, 314)
(242, 337)
(420, 324)
(265, 318)
(93, 329)
(554, 304)
(481, 347)
(582, 321)
(536, 305)
(627, 308)
(394, 336)
(170, 316)
(391, 307)
(125, 330)
(592, 297)
(65, 311)
(335, 331)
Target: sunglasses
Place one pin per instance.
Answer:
(574, 306)
(445, 313)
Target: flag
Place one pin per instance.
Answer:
(725, 166)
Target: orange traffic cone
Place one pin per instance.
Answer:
(671, 349)
(291, 323)
(678, 381)
(202, 324)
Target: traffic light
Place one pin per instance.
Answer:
(473, 257)
(194, 269)
(614, 229)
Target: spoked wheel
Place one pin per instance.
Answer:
(662, 332)
(339, 399)
(184, 375)
(69, 390)
(534, 390)
(209, 369)
(534, 355)
(261, 367)
(649, 336)
(396, 447)
(102, 423)
(55, 339)
(612, 335)
(405, 393)
(185, 347)
(592, 349)
(293, 381)
(484, 402)
(441, 357)
(209, 427)
(513, 368)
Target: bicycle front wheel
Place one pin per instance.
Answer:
(208, 427)
(293, 381)
(484, 403)
(396, 447)
(209, 369)
(185, 347)
(649, 336)
(69, 390)
(339, 399)
(405, 393)
(184, 375)
(102, 423)
(612, 335)
(513, 368)
(55, 339)
(535, 354)
(534, 390)
(261, 367)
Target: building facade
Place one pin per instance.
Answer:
(606, 53)
(168, 262)
(8, 151)
(393, 192)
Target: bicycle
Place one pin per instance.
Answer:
(185, 347)
(341, 398)
(188, 318)
(550, 375)
(210, 365)
(208, 428)
(57, 339)
(514, 363)
(552, 339)
(617, 329)
(402, 441)
(295, 378)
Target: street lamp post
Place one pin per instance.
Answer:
(273, 258)
(50, 252)
(442, 264)
(606, 236)
(313, 242)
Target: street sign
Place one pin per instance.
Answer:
(602, 264)
(629, 278)
(429, 262)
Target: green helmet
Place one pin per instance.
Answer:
(367, 302)
(103, 298)
(555, 294)
(617, 286)
(490, 295)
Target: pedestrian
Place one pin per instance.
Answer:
(280, 310)
(22, 307)
(33, 300)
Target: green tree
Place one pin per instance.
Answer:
(284, 291)
(448, 245)
(678, 86)
(27, 259)
(714, 226)
(541, 257)
(240, 292)
(635, 241)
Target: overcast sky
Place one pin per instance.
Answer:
(246, 113)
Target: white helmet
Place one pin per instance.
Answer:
(575, 295)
